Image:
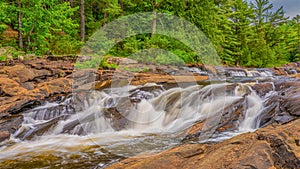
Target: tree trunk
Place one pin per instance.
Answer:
(29, 37)
(71, 3)
(72, 6)
(82, 21)
(105, 17)
(154, 22)
(20, 25)
(28, 42)
(155, 6)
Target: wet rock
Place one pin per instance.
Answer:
(23, 105)
(271, 147)
(30, 99)
(192, 131)
(39, 129)
(290, 102)
(4, 135)
(118, 120)
(229, 121)
(285, 106)
(145, 92)
(262, 88)
(212, 70)
(97, 85)
(10, 124)
(279, 71)
(280, 85)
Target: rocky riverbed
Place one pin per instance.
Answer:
(39, 93)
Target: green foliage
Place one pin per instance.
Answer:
(104, 64)
(243, 33)
(3, 58)
(65, 44)
(151, 52)
(45, 21)
(136, 70)
(3, 16)
(94, 62)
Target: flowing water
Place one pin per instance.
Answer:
(95, 129)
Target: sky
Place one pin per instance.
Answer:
(291, 7)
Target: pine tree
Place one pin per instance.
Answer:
(237, 31)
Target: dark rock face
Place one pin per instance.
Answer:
(229, 121)
(262, 88)
(9, 125)
(284, 107)
(4, 135)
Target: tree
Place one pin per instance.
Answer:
(20, 37)
(82, 21)
(292, 38)
(237, 32)
(268, 34)
(3, 16)
(155, 4)
(44, 21)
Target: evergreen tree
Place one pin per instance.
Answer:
(237, 31)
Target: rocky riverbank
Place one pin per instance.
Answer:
(29, 83)
(276, 146)
(25, 85)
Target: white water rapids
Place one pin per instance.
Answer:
(158, 120)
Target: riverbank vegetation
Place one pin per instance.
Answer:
(243, 33)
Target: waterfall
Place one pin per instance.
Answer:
(254, 107)
(146, 117)
(170, 111)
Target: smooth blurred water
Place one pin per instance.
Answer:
(61, 135)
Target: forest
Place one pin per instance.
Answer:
(244, 33)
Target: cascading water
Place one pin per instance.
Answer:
(126, 121)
